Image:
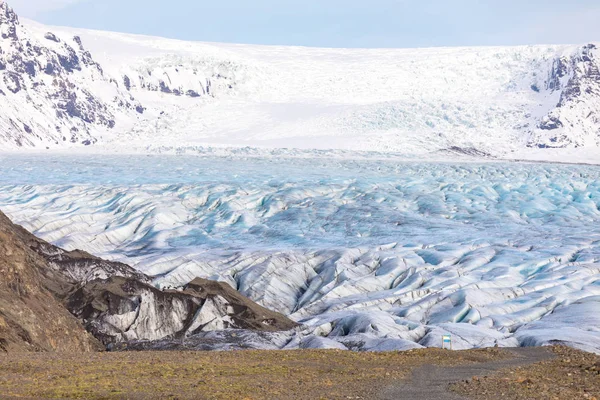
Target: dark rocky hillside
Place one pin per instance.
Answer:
(32, 317)
(40, 283)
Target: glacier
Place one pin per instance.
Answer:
(366, 253)
(64, 88)
(376, 196)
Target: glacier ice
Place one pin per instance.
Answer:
(64, 88)
(367, 254)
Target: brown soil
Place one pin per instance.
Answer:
(298, 374)
(31, 317)
(571, 375)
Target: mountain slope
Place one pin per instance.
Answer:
(72, 87)
(52, 91)
(575, 121)
(120, 310)
(31, 317)
(40, 282)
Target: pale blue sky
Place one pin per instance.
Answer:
(333, 23)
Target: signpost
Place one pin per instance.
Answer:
(447, 341)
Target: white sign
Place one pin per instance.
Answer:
(447, 342)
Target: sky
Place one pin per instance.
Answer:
(333, 23)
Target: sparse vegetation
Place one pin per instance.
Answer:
(219, 375)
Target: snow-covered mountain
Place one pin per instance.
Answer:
(575, 119)
(64, 87)
(52, 91)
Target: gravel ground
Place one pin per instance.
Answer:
(300, 375)
(431, 382)
(218, 375)
(570, 375)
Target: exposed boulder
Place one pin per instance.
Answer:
(51, 36)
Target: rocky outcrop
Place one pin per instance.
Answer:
(39, 282)
(575, 120)
(76, 267)
(32, 317)
(54, 93)
(45, 90)
(120, 310)
(161, 76)
(8, 22)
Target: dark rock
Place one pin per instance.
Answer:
(192, 93)
(71, 62)
(578, 78)
(560, 69)
(51, 36)
(77, 40)
(49, 70)
(85, 56)
(551, 124)
(9, 18)
(585, 73)
(127, 82)
(13, 82)
(32, 317)
(164, 88)
(30, 68)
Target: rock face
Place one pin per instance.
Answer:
(177, 81)
(52, 91)
(39, 282)
(32, 317)
(75, 267)
(119, 310)
(575, 80)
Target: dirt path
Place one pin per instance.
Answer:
(431, 383)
